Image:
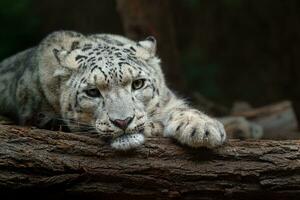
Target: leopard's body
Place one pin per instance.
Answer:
(103, 83)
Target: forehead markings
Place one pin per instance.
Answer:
(122, 63)
(91, 59)
(87, 47)
(125, 56)
(83, 80)
(104, 74)
(80, 58)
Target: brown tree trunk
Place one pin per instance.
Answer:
(142, 18)
(68, 164)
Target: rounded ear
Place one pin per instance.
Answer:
(69, 59)
(59, 55)
(149, 44)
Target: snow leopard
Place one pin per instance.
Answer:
(104, 83)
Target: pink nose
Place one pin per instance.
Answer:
(122, 123)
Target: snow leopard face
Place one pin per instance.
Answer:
(108, 85)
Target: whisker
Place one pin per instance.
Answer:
(72, 120)
(77, 126)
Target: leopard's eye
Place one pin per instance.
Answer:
(94, 93)
(138, 84)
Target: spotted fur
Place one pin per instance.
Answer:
(103, 83)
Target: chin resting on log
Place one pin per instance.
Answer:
(58, 165)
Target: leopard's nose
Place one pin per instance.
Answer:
(122, 123)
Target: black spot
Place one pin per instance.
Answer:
(133, 49)
(122, 63)
(126, 50)
(82, 80)
(95, 78)
(178, 127)
(94, 68)
(80, 57)
(87, 47)
(118, 54)
(222, 135)
(157, 91)
(193, 132)
(75, 45)
(91, 59)
(207, 133)
(76, 99)
(55, 52)
(152, 125)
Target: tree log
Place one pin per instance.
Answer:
(59, 165)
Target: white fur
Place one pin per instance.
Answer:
(127, 142)
(110, 63)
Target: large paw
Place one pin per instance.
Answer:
(195, 129)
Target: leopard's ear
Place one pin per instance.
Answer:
(148, 45)
(68, 60)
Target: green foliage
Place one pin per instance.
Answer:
(18, 26)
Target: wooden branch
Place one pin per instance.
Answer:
(72, 164)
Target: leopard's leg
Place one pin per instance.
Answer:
(190, 126)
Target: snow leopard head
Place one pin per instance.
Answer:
(108, 84)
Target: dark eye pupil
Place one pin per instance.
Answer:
(93, 93)
(138, 84)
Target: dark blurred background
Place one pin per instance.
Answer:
(226, 50)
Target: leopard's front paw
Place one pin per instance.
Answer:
(195, 129)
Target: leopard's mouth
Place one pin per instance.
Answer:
(128, 141)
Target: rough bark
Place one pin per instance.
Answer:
(142, 18)
(68, 164)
